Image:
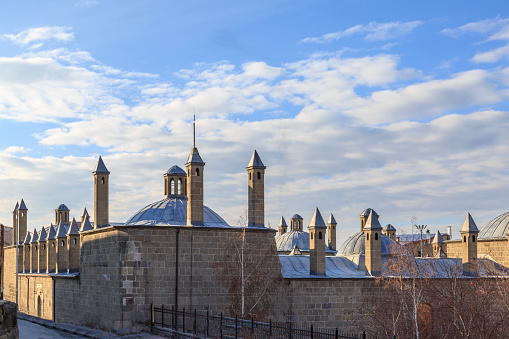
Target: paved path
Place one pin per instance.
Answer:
(28, 330)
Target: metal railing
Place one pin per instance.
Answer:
(196, 324)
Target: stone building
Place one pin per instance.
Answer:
(173, 252)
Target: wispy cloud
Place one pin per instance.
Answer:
(373, 31)
(39, 34)
(485, 26)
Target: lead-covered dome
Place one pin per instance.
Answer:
(355, 245)
(172, 211)
(286, 242)
(496, 228)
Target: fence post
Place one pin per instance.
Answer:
(311, 331)
(162, 316)
(270, 327)
(221, 326)
(194, 324)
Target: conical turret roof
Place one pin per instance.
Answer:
(282, 222)
(16, 207)
(295, 250)
(28, 238)
(438, 238)
(60, 233)
(194, 157)
(255, 161)
(86, 226)
(101, 167)
(85, 214)
(469, 225)
(22, 206)
(43, 235)
(372, 223)
(52, 232)
(35, 237)
(389, 227)
(317, 220)
(62, 207)
(176, 170)
(73, 228)
(332, 220)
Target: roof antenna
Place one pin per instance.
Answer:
(194, 128)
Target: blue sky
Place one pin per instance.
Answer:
(351, 104)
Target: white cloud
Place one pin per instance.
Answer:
(373, 31)
(481, 27)
(41, 34)
(15, 149)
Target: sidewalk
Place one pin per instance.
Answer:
(82, 330)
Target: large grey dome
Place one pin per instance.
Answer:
(355, 245)
(285, 242)
(496, 228)
(172, 211)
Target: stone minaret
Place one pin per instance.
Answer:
(282, 226)
(42, 250)
(317, 230)
(22, 219)
(256, 191)
(390, 231)
(296, 223)
(373, 244)
(194, 167)
(469, 234)
(101, 194)
(364, 217)
(331, 231)
(175, 182)
(62, 214)
(73, 247)
(438, 245)
(15, 224)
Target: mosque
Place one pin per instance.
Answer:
(171, 252)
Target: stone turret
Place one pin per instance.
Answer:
(34, 248)
(469, 233)
(256, 191)
(175, 182)
(42, 250)
(331, 231)
(73, 247)
(373, 244)
(26, 254)
(282, 226)
(364, 217)
(390, 231)
(194, 168)
(317, 230)
(22, 219)
(84, 216)
(62, 214)
(101, 194)
(438, 246)
(296, 223)
(51, 250)
(61, 262)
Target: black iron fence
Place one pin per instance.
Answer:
(219, 326)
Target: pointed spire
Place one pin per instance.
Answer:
(438, 238)
(282, 222)
(86, 226)
(85, 214)
(101, 167)
(295, 250)
(28, 238)
(317, 220)
(469, 225)
(194, 157)
(16, 207)
(52, 232)
(372, 223)
(255, 161)
(43, 235)
(60, 230)
(332, 220)
(73, 229)
(22, 206)
(35, 237)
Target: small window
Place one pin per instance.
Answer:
(259, 175)
(43, 246)
(333, 227)
(74, 241)
(376, 236)
(52, 244)
(172, 186)
(250, 176)
(22, 214)
(367, 236)
(197, 172)
(102, 180)
(464, 239)
(179, 187)
(28, 249)
(62, 243)
(311, 236)
(36, 247)
(319, 235)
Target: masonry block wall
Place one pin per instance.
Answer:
(498, 249)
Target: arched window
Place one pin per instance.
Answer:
(464, 239)
(36, 247)
(367, 236)
(319, 235)
(179, 187)
(473, 238)
(22, 214)
(197, 172)
(60, 216)
(102, 180)
(52, 244)
(74, 241)
(62, 243)
(172, 186)
(311, 235)
(259, 175)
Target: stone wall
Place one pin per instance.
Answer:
(498, 249)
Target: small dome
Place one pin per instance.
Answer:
(62, 207)
(172, 211)
(389, 227)
(296, 216)
(287, 241)
(355, 244)
(496, 228)
(176, 170)
(366, 212)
